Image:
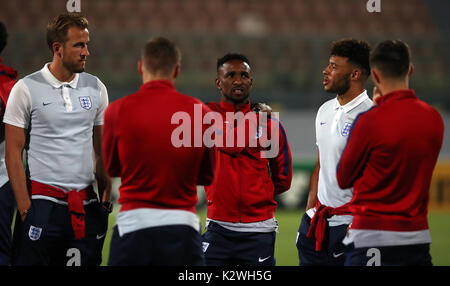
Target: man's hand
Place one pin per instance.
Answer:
(24, 211)
(108, 206)
(348, 229)
(104, 185)
(261, 107)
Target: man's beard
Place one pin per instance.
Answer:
(341, 86)
(73, 68)
(239, 100)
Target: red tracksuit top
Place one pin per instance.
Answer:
(389, 160)
(245, 184)
(7, 80)
(137, 146)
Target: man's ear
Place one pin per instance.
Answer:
(356, 74)
(139, 67)
(57, 47)
(218, 84)
(176, 71)
(375, 76)
(411, 70)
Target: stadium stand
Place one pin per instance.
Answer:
(286, 40)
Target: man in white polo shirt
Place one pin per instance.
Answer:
(323, 226)
(56, 115)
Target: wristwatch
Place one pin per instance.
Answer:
(108, 206)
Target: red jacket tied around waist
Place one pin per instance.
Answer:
(319, 221)
(74, 200)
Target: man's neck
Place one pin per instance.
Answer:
(236, 105)
(389, 87)
(351, 94)
(148, 78)
(60, 73)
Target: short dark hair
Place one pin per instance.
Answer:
(58, 26)
(231, 56)
(3, 36)
(160, 56)
(356, 51)
(392, 58)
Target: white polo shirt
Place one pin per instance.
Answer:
(60, 117)
(333, 124)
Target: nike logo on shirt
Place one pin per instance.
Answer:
(337, 255)
(263, 259)
(100, 236)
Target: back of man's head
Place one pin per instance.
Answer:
(392, 58)
(3, 36)
(160, 57)
(356, 51)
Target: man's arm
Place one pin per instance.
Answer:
(14, 144)
(281, 165)
(313, 185)
(207, 167)
(104, 183)
(5, 90)
(2, 125)
(109, 142)
(209, 160)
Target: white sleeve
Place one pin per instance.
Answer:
(103, 103)
(18, 107)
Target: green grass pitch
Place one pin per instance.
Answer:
(286, 251)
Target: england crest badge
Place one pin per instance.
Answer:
(346, 130)
(205, 246)
(259, 133)
(35, 232)
(85, 102)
